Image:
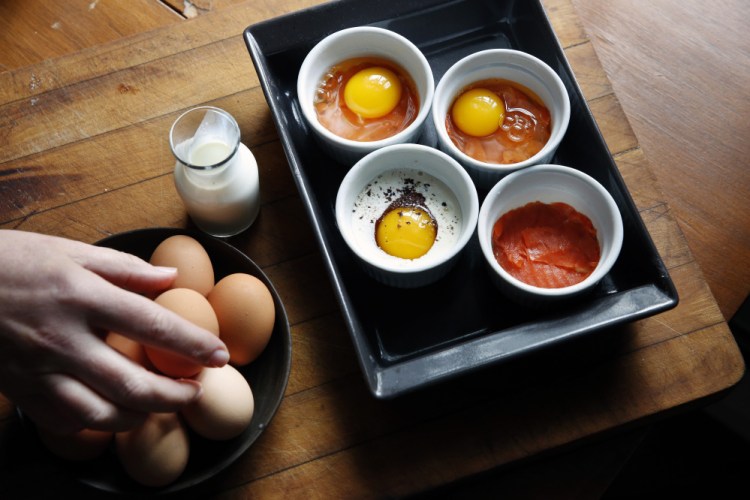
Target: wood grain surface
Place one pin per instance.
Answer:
(35, 31)
(83, 154)
(681, 73)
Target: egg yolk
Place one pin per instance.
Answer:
(372, 92)
(406, 232)
(478, 112)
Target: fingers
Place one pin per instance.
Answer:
(115, 309)
(116, 378)
(94, 386)
(123, 269)
(65, 405)
(129, 385)
(108, 393)
(149, 323)
(139, 318)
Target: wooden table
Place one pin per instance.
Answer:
(84, 118)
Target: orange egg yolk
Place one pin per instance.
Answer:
(406, 232)
(478, 112)
(373, 92)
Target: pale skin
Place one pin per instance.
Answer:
(58, 300)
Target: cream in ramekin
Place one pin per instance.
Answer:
(371, 185)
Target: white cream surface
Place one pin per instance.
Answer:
(379, 193)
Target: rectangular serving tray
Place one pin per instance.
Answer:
(407, 339)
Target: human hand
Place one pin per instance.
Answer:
(58, 300)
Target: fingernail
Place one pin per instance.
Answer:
(218, 358)
(165, 269)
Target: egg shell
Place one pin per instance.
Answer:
(130, 348)
(226, 406)
(246, 313)
(156, 452)
(194, 307)
(83, 445)
(194, 268)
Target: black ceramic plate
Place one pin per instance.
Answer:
(407, 339)
(268, 376)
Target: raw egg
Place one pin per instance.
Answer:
(372, 92)
(478, 112)
(405, 214)
(498, 121)
(246, 314)
(194, 269)
(407, 229)
(195, 308)
(366, 99)
(156, 452)
(226, 407)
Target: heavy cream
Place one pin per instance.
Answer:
(216, 175)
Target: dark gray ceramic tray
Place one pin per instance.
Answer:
(406, 339)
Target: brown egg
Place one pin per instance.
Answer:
(194, 307)
(82, 445)
(194, 269)
(246, 313)
(130, 348)
(156, 452)
(226, 407)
